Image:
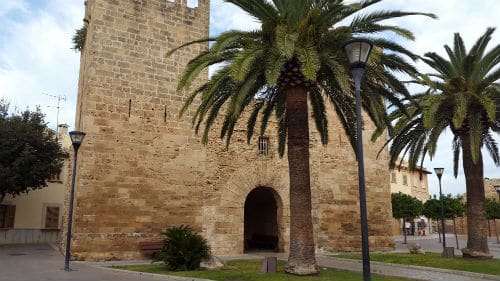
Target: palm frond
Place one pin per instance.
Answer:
(319, 114)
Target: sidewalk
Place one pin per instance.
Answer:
(41, 262)
(430, 243)
(404, 271)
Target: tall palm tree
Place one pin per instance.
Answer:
(464, 96)
(296, 54)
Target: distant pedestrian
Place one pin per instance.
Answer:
(421, 227)
(408, 227)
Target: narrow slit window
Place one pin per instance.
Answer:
(129, 106)
(263, 146)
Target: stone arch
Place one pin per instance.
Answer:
(246, 179)
(263, 211)
(224, 222)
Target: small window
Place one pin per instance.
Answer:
(7, 215)
(263, 146)
(416, 181)
(52, 217)
(405, 180)
(393, 177)
(56, 178)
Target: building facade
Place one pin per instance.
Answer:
(36, 217)
(142, 169)
(489, 187)
(413, 183)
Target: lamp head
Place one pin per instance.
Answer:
(439, 172)
(358, 51)
(76, 138)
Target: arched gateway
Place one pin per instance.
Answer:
(262, 220)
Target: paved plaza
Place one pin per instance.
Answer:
(42, 262)
(430, 243)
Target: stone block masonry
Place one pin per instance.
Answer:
(142, 168)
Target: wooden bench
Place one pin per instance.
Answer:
(150, 248)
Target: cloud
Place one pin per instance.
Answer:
(226, 16)
(9, 7)
(36, 56)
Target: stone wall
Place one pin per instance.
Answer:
(143, 169)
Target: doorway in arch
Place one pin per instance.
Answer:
(262, 220)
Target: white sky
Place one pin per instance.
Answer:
(36, 55)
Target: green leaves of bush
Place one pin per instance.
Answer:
(183, 249)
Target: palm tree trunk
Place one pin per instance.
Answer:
(301, 260)
(477, 226)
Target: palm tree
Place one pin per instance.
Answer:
(464, 96)
(296, 54)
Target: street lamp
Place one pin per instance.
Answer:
(358, 51)
(439, 173)
(76, 140)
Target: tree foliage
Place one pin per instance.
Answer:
(462, 95)
(308, 36)
(79, 38)
(432, 209)
(405, 206)
(29, 152)
(453, 207)
(492, 208)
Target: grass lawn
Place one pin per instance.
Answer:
(435, 260)
(249, 270)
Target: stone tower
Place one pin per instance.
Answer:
(142, 168)
(141, 165)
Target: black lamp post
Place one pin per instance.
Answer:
(357, 52)
(439, 173)
(76, 140)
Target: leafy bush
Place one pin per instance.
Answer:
(183, 249)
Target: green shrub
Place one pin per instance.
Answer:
(79, 38)
(183, 249)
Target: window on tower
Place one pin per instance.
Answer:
(263, 145)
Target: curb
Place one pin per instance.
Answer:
(426, 269)
(154, 275)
